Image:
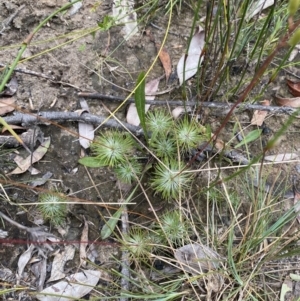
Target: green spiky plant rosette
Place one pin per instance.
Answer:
(53, 207)
(170, 141)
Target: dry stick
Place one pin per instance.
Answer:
(44, 118)
(212, 105)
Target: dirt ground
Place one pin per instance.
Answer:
(96, 61)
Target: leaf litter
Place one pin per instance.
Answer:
(189, 63)
(37, 155)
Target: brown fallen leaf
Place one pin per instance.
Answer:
(37, 155)
(293, 102)
(165, 60)
(259, 116)
(6, 105)
(294, 87)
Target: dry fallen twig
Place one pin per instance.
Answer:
(45, 116)
(212, 105)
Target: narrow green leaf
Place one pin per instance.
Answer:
(253, 135)
(91, 162)
(110, 225)
(140, 101)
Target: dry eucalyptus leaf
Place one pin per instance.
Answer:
(124, 14)
(84, 243)
(188, 64)
(177, 112)
(294, 53)
(199, 259)
(281, 157)
(37, 155)
(59, 261)
(24, 259)
(11, 88)
(75, 8)
(6, 106)
(259, 116)
(39, 269)
(257, 7)
(293, 102)
(76, 286)
(287, 286)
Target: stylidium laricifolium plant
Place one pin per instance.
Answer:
(159, 123)
(189, 134)
(168, 138)
(112, 148)
(127, 172)
(163, 147)
(173, 228)
(53, 207)
(169, 179)
(138, 243)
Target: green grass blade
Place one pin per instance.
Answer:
(253, 135)
(140, 101)
(91, 162)
(110, 225)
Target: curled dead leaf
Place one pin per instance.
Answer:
(293, 102)
(294, 87)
